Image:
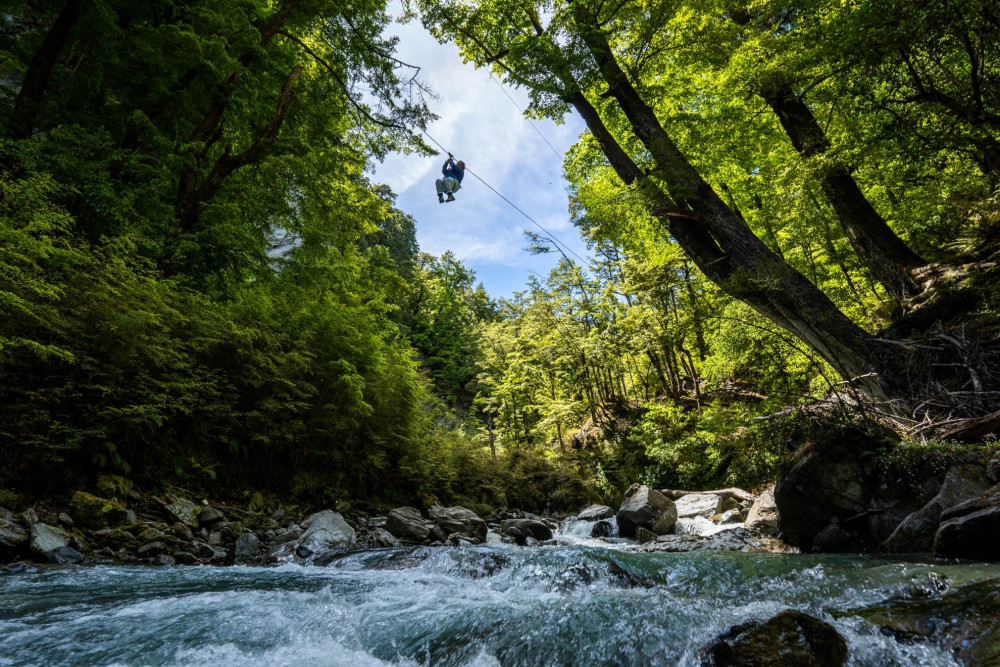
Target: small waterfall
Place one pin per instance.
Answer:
(589, 533)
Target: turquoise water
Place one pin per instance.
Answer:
(489, 605)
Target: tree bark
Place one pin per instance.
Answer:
(880, 249)
(36, 79)
(731, 255)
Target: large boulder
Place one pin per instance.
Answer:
(971, 529)
(521, 529)
(324, 531)
(182, 510)
(246, 549)
(697, 504)
(916, 532)
(790, 638)
(458, 520)
(595, 513)
(763, 515)
(407, 523)
(93, 512)
(647, 508)
(53, 544)
(824, 482)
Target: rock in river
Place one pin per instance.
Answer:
(408, 524)
(522, 529)
(458, 520)
(790, 638)
(325, 530)
(697, 504)
(646, 508)
(595, 513)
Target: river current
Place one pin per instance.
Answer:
(577, 604)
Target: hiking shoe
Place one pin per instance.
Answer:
(440, 198)
(450, 198)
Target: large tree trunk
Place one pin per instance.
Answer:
(721, 244)
(36, 79)
(880, 249)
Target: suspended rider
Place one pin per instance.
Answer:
(450, 183)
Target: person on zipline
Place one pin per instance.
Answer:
(450, 183)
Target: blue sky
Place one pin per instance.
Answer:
(481, 126)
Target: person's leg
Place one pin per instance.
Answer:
(439, 184)
(452, 185)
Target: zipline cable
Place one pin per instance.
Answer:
(552, 237)
(533, 126)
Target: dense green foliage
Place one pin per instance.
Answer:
(198, 284)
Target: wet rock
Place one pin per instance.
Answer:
(378, 538)
(697, 504)
(459, 540)
(965, 621)
(45, 538)
(595, 513)
(182, 510)
(824, 480)
(164, 560)
(151, 549)
(974, 536)
(185, 558)
(66, 555)
(324, 531)
(643, 535)
(728, 517)
(521, 529)
(646, 508)
(404, 559)
(202, 550)
(458, 520)
(407, 523)
(738, 539)
(931, 585)
(493, 538)
(916, 532)
(93, 512)
(246, 549)
(602, 529)
(209, 516)
(763, 516)
(790, 638)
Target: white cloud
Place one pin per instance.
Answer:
(480, 125)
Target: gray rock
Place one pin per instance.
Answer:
(45, 538)
(697, 504)
(185, 558)
(381, 538)
(130, 517)
(646, 508)
(183, 511)
(823, 481)
(763, 516)
(493, 538)
(835, 538)
(644, 536)
(916, 532)
(790, 638)
(521, 529)
(738, 539)
(602, 529)
(973, 536)
(209, 516)
(28, 517)
(595, 513)
(215, 538)
(151, 549)
(458, 520)
(164, 560)
(63, 556)
(66, 519)
(407, 523)
(202, 550)
(728, 516)
(246, 549)
(324, 531)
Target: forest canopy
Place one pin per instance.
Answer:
(200, 284)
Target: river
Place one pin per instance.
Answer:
(498, 604)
